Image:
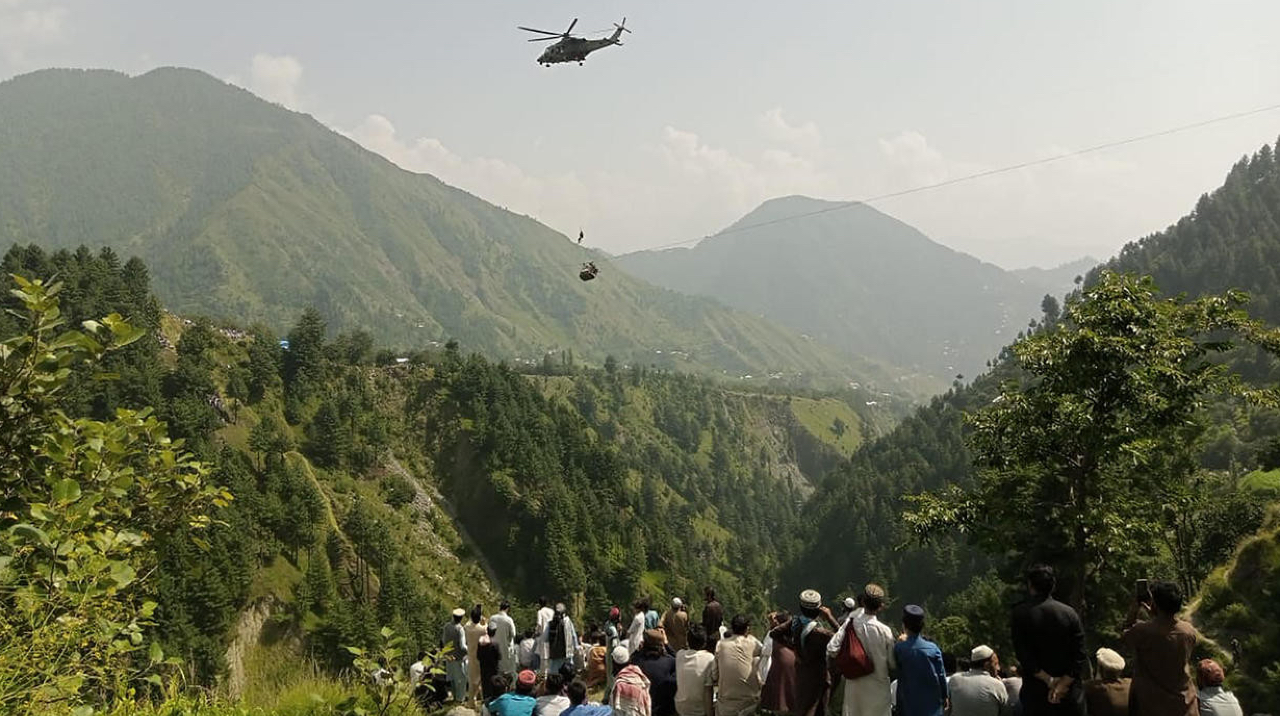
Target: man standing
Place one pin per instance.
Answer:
(868, 695)
(454, 639)
(1162, 649)
(675, 622)
(736, 671)
(545, 613)
(474, 629)
(489, 663)
(805, 633)
(635, 633)
(1049, 640)
(693, 696)
(504, 637)
(979, 691)
(922, 678)
(613, 628)
(560, 640)
(712, 617)
(659, 666)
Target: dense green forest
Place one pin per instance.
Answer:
(324, 486)
(376, 489)
(858, 530)
(245, 210)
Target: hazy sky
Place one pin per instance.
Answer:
(714, 106)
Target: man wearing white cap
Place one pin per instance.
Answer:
(675, 622)
(848, 609)
(979, 691)
(455, 666)
(1108, 695)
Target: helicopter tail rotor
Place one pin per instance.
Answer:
(619, 29)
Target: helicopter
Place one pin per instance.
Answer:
(569, 48)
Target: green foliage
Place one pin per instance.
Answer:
(1238, 606)
(387, 684)
(95, 285)
(830, 276)
(1087, 462)
(250, 211)
(1230, 241)
(857, 532)
(610, 479)
(83, 504)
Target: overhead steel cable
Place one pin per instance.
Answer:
(977, 175)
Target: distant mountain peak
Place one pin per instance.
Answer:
(850, 275)
(243, 208)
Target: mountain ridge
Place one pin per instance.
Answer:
(252, 211)
(825, 268)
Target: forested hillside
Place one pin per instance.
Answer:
(857, 516)
(372, 491)
(857, 279)
(245, 210)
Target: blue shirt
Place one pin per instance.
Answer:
(922, 679)
(587, 710)
(513, 704)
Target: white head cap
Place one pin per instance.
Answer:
(980, 654)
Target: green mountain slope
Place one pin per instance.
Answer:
(1232, 240)
(246, 210)
(857, 279)
(371, 492)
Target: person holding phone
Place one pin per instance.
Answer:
(1162, 647)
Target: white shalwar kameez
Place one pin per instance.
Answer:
(868, 695)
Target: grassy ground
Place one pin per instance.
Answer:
(819, 417)
(1259, 480)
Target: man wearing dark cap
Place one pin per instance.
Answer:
(519, 702)
(868, 695)
(922, 677)
(658, 665)
(1048, 639)
(1215, 700)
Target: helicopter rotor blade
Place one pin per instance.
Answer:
(543, 32)
(571, 26)
(546, 39)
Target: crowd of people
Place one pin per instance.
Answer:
(816, 663)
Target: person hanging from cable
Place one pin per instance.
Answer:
(588, 271)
